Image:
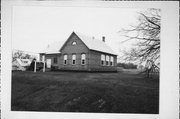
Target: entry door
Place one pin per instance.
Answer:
(48, 61)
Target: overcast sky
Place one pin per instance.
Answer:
(34, 27)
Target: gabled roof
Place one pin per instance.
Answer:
(90, 42)
(53, 48)
(95, 44)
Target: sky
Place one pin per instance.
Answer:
(34, 27)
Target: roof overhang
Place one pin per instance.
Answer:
(105, 52)
(48, 53)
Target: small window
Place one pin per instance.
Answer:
(25, 61)
(107, 60)
(102, 59)
(83, 59)
(74, 43)
(55, 60)
(73, 59)
(65, 59)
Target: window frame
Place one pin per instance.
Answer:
(103, 61)
(73, 63)
(74, 43)
(25, 62)
(83, 59)
(55, 60)
(111, 61)
(65, 59)
(107, 61)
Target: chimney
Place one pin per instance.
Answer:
(103, 38)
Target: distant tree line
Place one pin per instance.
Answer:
(127, 65)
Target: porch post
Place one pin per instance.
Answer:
(44, 63)
(35, 66)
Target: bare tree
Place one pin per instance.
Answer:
(18, 54)
(147, 34)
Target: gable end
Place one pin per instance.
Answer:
(69, 38)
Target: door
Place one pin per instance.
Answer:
(48, 62)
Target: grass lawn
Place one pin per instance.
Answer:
(122, 92)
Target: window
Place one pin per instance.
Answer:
(112, 61)
(107, 60)
(74, 43)
(102, 59)
(65, 59)
(55, 60)
(83, 59)
(43, 58)
(74, 59)
(25, 61)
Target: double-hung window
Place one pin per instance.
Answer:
(112, 61)
(65, 59)
(107, 60)
(83, 59)
(102, 59)
(74, 59)
(55, 60)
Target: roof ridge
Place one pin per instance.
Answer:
(93, 43)
(89, 36)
